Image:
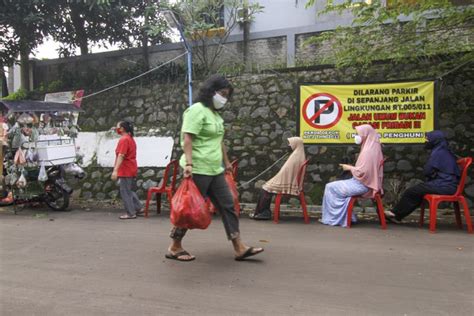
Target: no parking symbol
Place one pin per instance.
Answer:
(322, 110)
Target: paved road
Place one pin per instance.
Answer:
(91, 263)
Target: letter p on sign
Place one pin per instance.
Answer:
(322, 110)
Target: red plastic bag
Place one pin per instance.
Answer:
(229, 178)
(188, 208)
(210, 207)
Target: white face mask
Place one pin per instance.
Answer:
(218, 101)
(358, 140)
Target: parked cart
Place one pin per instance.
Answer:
(39, 151)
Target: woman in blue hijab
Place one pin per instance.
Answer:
(442, 177)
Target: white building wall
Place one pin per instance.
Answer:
(292, 14)
(280, 14)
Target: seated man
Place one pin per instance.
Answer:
(442, 177)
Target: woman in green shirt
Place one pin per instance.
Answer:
(202, 136)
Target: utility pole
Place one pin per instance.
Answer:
(246, 35)
(173, 23)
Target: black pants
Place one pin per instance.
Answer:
(413, 197)
(264, 203)
(216, 188)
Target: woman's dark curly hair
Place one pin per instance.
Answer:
(210, 86)
(127, 126)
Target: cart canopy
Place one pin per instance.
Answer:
(37, 106)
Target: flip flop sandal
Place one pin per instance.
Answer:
(248, 253)
(127, 217)
(177, 256)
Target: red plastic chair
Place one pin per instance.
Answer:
(377, 201)
(457, 198)
(300, 179)
(172, 168)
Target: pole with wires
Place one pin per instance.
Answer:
(190, 75)
(175, 24)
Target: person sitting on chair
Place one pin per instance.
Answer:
(442, 177)
(285, 181)
(366, 180)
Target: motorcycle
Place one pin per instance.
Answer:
(54, 192)
(35, 168)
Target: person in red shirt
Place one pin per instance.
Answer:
(125, 169)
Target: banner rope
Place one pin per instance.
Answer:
(261, 173)
(455, 68)
(128, 80)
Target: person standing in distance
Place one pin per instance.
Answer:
(125, 169)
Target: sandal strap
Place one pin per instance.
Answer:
(182, 253)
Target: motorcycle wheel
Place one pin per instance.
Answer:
(57, 199)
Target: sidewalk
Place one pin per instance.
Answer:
(91, 263)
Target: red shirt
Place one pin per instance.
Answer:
(127, 147)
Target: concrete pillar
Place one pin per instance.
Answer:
(290, 49)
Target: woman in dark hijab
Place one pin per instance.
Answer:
(442, 177)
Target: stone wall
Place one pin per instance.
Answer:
(268, 52)
(262, 115)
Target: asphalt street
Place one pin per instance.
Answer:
(91, 263)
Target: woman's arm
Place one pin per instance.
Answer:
(346, 167)
(227, 164)
(118, 162)
(188, 154)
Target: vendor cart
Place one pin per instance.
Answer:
(37, 150)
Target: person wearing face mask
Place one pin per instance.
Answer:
(367, 178)
(125, 170)
(202, 135)
(442, 177)
(285, 181)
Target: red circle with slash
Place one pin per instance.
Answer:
(331, 100)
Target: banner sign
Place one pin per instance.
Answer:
(401, 112)
(66, 97)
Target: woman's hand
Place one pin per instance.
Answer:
(345, 167)
(229, 168)
(188, 171)
(114, 175)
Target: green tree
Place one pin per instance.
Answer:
(147, 27)
(401, 31)
(91, 22)
(84, 23)
(209, 23)
(23, 26)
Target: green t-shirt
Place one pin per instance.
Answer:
(207, 126)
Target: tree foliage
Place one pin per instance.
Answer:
(401, 31)
(85, 23)
(23, 26)
(81, 24)
(208, 24)
(74, 24)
